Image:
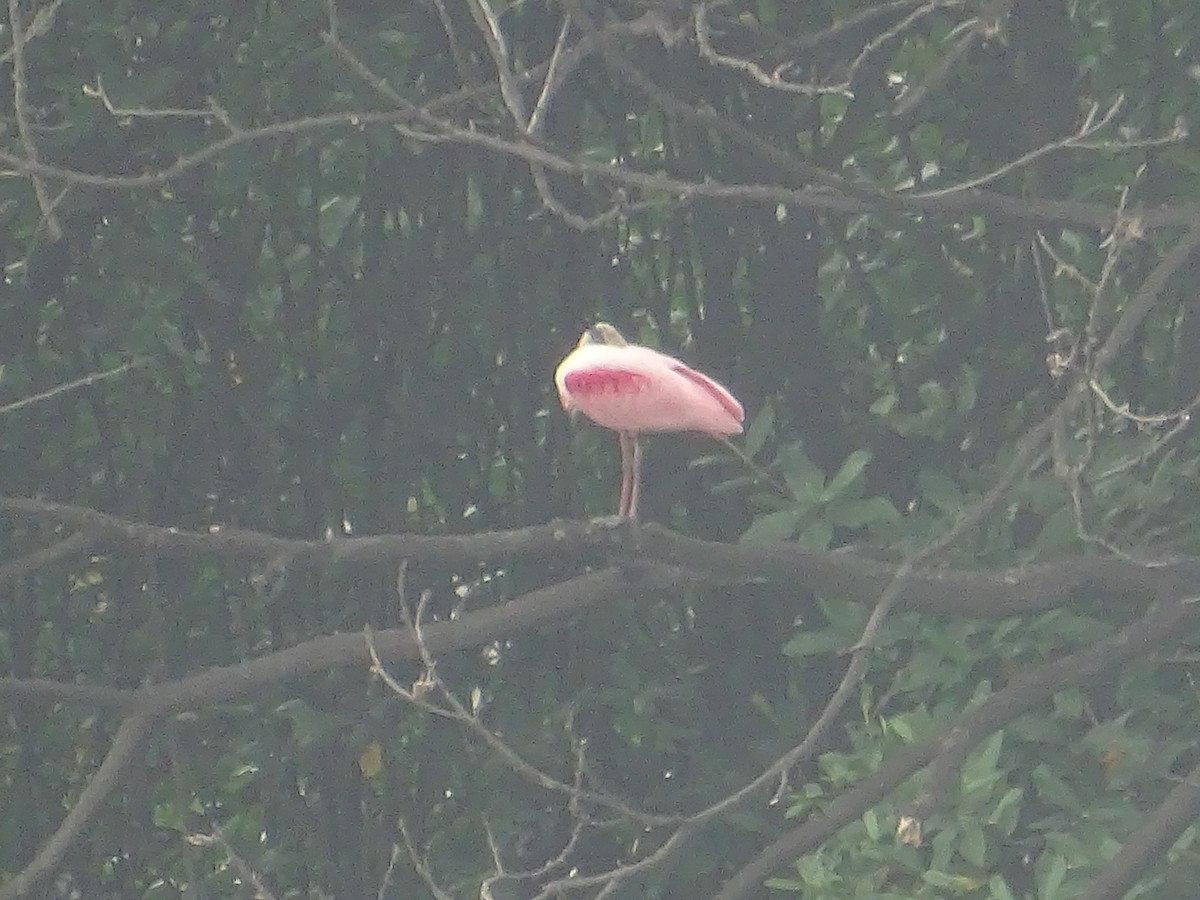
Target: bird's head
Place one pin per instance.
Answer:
(599, 334)
(603, 333)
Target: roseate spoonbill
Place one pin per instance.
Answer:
(632, 389)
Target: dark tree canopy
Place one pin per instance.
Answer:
(303, 593)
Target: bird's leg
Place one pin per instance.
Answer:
(626, 473)
(635, 477)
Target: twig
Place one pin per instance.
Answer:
(772, 80)
(212, 111)
(41, 23)
(894, 32)
(556, 73)
(1122, 411)
(1076, 141)
(21, 114)
(431, 681)
(85, 381)
(1062, 266)
(389, 873)
(775, 79)
(1114, 244)
(420, 864)
(465, 71)
(915, 95)
(217, 839)
(851, 22)
(489, 26)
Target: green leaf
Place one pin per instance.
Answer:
(785, 884)
(860, 513)
(1053, 789)
(884, 405)
(972, 844)
(168, 815)
(803, 478)
(959, 884)
(811, 643)
(980, 767)
(870, 820)
(850, 470)
(816, 536)
(1007, 811)
(772, 527)
(999, 889)
(1051, 870)
(309, 725)
(760, 429)
(940, 490)
(763, 707)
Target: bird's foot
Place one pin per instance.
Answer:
(614, 522)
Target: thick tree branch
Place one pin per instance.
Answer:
(39, 559)
(1150, 843)
(221, 683)
(125, 746)
(985, 593)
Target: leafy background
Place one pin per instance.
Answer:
(345, 327)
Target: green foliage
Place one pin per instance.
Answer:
(352, 329)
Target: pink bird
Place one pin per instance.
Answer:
(633, 389)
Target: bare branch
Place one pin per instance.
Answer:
(493, 36)
(85, 381)
(1077, 141)
(431, 681)
(1041, 211)
(1151, 841)
(40, 24)
(556, 74)
(213, 110)
(465, 71)
(33, 562)
(776, 80)
(991, 594)
(766, 79)
(420, 864)
(245, 871)
(886, 37)
(107, 778)
(21, 114)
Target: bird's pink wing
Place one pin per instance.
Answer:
(727, 401)
(607, 379)
(637, 389)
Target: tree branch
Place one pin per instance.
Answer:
(1150, 843)
(21, 114)
(984, 593)
(107, 778)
